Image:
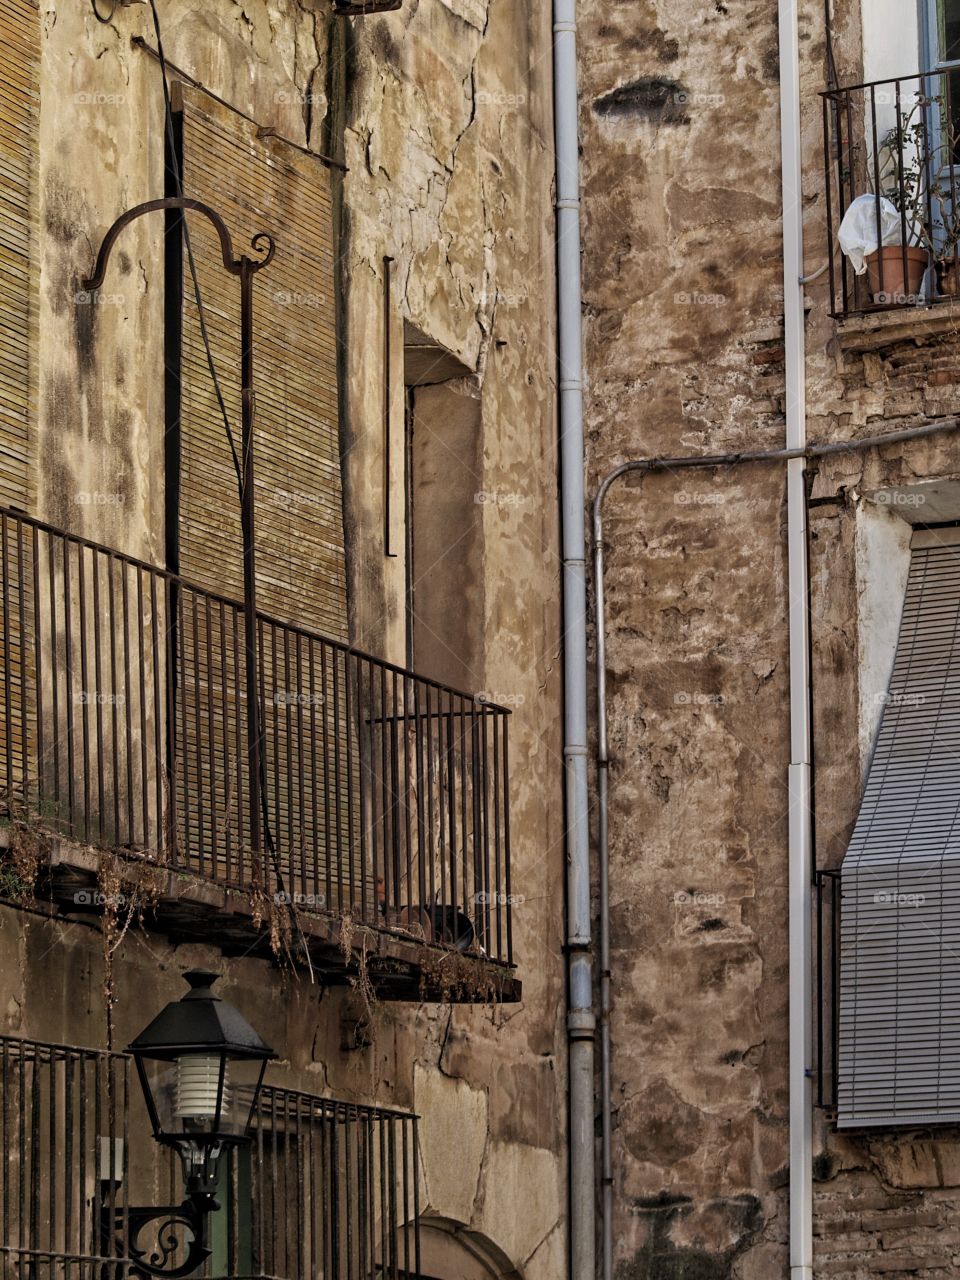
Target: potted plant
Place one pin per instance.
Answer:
(919, 173)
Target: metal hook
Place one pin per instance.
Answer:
(117, 4)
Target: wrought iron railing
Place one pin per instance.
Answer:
(123, 724)
(326, 1190)
(897, 143)
(828, 888)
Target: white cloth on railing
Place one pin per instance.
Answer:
(858, 230)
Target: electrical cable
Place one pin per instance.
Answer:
(198, 297)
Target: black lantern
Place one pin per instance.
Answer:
(201, 1066)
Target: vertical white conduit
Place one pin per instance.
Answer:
(800, 844)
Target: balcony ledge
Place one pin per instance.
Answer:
(872, 331)
(188, 909)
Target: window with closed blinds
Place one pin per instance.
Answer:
(262, 184)
(19, 102)
(899, 1013)
(259, 183)
(19, 98)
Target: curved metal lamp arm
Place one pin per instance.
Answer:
(179, 1231)
(232, 264)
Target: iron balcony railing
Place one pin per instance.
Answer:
(896, 142)
(123, 724)
(326, 1190)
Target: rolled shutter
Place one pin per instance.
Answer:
(19, 103)
(899, 1050)
(19, 99)
(263, 184)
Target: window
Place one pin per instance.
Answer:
(443, 483)
(899, 985)
(261, 183)
(944, 25)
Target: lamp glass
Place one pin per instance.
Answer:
(203, 1096)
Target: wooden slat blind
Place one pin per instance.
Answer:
(19, 101)
(899, 1016)
(263, 184)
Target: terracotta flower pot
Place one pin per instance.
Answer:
(894, 287)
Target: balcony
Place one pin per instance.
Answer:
(325, 1188)
(381, 831)
(894, 145)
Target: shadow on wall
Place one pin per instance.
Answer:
(662, 1258)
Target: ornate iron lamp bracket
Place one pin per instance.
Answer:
(232, 264)
(244, 267)
(174, 1221)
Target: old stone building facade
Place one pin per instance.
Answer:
(685, 351)
(290, 657)
(405, 505)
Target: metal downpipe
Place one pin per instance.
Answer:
(581, 1017)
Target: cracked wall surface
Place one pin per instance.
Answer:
(684, 342)
(442, 114)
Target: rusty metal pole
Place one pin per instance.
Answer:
(246, 268)
(248, 531)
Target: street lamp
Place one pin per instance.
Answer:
(201, 1068)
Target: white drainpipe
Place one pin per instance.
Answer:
(800, 841)
(581, 1016)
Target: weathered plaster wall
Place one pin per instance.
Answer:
(442, 113)
(683, 295)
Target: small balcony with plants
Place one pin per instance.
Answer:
(892, 169)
